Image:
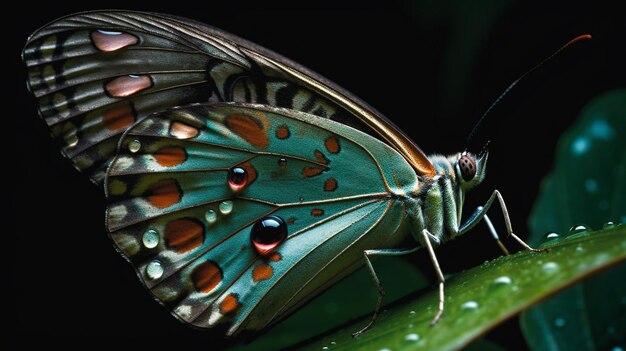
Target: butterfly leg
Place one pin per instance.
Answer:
(493, 232)
(441, 280)
(481, 214)
(381, 292)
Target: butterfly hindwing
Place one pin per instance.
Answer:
(176, 214)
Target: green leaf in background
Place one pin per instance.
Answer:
(482, 297)
(586, 187)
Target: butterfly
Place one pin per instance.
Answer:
(239, 184)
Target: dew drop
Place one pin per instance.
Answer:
(150, 239)
(210, 216)
(71, 140)
(134, 146)
(154, 270)
(333, 343)
(578, 229)
(559, 322)
(325, 348)
(470, 305)
(412, 337)
(226, 207)
(608, 225)
(503, 280)
(384, 349)
(580, 249)
(552, 236)
(267, 233)
(237, 178)
(412, 312)
(549, 267)
(282, 162)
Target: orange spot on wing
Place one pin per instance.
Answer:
(262, 272)
(118, 117)
(250, 170)
(291, 220)
(127, 85)
(170, 156)
(112, 42)
(229, 304)
(282, 132)
(311, 171)
(274, 257)
(164, 193)
(206, 276)
(332, 145)
(249, 129)
(184, 234)
(182, 130)
(316, 212)
(330, 184)
(320, 157)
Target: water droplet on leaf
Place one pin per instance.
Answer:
(549, 267)
(470, 305)
(608, 225)
(578, 229)
(503, 280)
(552, 236)
(412, 337)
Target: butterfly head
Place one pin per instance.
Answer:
(471, 169)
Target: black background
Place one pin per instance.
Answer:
(66, 284)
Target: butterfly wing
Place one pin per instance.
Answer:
(175, 214)
(95, 74)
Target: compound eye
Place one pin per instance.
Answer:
(467, 164)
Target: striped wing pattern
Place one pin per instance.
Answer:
(96, 74)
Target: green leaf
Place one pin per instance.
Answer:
(482, 297)
(586, 187)
(338, 304)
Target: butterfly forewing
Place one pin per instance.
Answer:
(176, 214)
(96, 74)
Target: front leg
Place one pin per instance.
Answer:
(481, 214)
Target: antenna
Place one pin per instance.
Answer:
(506, 91)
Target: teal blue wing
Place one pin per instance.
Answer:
(96, 74)
(189, 186)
